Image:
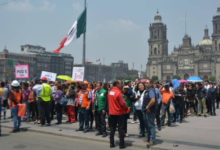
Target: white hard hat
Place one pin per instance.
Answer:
(15, 83)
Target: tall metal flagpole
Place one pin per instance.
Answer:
(84, 44)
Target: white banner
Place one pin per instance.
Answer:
(78, 73)
(49, 75)
(21, 71)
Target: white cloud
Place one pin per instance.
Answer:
(26, 5)
(77, 7)
(46, 5)
(119, 25)
(23, 5)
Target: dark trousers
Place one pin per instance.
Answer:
(209, 105)
(100, 122)
(32, 110)
(76, 113)
(83, 118)
(212, 106)
(141, 119)
(126, 117)
(217, 102)
(91, 118)
(179, 107)
(158, 108)
(117, 121)
(37, 109)
(52, 106)
(44, 112)
(59, 112)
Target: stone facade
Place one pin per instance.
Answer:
(187, 60)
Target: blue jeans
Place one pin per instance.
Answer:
(141, 119)
(16, 119)
(165, 108)
(150, 125)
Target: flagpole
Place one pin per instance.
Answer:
(84, 45)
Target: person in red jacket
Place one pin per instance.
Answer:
(117, 109)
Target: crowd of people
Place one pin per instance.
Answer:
(109, 105)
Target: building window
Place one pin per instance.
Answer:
(155, 51)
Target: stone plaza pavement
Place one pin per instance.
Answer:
(194, 133)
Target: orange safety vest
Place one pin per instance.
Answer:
(17, 96)
(85, 99)
(31, 97)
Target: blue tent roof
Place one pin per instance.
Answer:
(194, 79)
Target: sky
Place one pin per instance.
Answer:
(116, 29)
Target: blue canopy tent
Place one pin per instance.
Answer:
(194, 79)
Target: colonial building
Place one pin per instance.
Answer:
(38, 60)
(187, 60)
(99, 72)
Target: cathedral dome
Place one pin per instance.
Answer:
(157, 18)
(206, 39)
(205, 42)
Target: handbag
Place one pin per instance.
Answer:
(63, 100)
(172, 108)
(21, 110)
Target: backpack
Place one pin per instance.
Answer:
(63, 100)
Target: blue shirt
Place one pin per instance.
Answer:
(158, 95)
(150, 93)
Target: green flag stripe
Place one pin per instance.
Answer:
(81, 24)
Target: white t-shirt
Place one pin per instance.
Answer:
(138, 104)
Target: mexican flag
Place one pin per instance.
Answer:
(78, 28)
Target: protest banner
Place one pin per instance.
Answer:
(49, 75)
(21, 71)
(78, 73)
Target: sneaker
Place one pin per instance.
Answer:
(97, 134)
(159, 128)
(149, 144)
(14, 131)
(85, 131)
(112, 145)
(122, 146)
(141, 136)
(104, 135)
(79, 129)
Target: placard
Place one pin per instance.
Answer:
(78, 73)
(21, 71)
(49, 75)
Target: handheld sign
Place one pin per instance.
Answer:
(78, 73)
(21, 71)
(49, 75)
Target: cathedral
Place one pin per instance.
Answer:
(202, 60)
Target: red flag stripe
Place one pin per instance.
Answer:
(61, 46)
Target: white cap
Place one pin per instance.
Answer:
(15, 83)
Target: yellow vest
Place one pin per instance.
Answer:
(45, 92)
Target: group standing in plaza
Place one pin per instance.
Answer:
(110, 105)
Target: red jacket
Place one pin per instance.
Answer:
(116, 102)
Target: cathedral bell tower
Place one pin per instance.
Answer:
(158, 43)
(216, 31)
